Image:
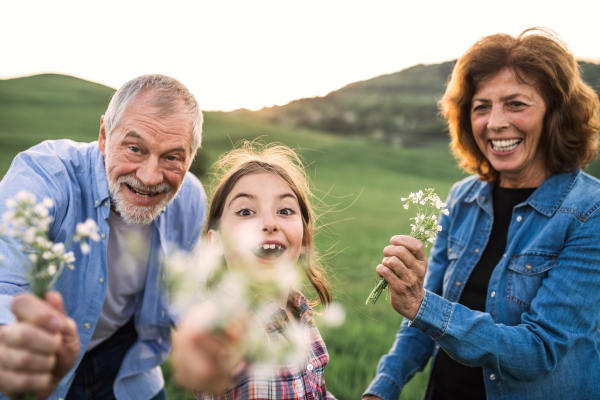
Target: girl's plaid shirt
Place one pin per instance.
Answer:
(289, 382)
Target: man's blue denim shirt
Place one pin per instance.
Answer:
(73, 176)
(538, 338)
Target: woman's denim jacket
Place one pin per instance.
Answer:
(538, 338)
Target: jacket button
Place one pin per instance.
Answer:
(97, 202)
(102, 235)
(458, 283)
(106, 203)
(449, 250)
(493, 293)
(101, 280)
(476, 250)
(493, 377)
(528, 267)
(87, 325)
(519, 218)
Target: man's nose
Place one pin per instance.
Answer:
(497, 119)
(149, 173)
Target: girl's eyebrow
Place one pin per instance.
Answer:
(250, 196)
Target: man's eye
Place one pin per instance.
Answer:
(172, 158)
(245, 212)
(286, 211)
(134, 149)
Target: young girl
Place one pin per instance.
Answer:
(260, 219)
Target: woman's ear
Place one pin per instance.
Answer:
(214, 241)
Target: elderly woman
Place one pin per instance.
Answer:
(510, 305)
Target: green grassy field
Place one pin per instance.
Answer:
(363, 179)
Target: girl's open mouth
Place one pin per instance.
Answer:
(268, 251)
(504, 146)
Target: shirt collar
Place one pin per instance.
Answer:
(99, 182)
(546, 199)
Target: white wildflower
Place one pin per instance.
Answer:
(335, 315)
(403, 198)
(406, 206)
(10, 203)
(47, 202)
(46, 255)
(69, 257)
(58, 248)
(431, 240)
(29, 235)
(51, 269)
(33, 258)
(40, 210)
(446, 212)
(85, 248)
(439, 228)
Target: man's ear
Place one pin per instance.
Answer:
(213, 239)
(102, 137)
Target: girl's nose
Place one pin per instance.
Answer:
(269, 224)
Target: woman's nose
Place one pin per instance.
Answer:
(497, 119)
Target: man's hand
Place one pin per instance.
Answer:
(39, 348)
(404, 268)
(371, 397)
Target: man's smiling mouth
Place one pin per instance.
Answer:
(268, 251)
(142, 193)
(503, 146)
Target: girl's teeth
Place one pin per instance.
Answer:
(272, 247)
(266, 246)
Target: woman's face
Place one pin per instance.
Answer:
(507, 118)
(261, 225)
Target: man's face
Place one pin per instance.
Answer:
(146, 158)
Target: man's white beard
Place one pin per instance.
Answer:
(132, 214)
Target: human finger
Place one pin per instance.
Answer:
(30, 337)
(12, 382)
(29, 308)
(22, 360)
(403, 254)
(415, 246)
(397, 266)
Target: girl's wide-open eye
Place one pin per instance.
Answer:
(286, 211)
(245, 212)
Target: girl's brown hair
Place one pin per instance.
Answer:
(536, 57)
(253, 158)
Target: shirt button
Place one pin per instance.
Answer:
(493, 377)
(106, 203)
(87, 325)
(101, 280)
(449, 250)
(476, 250)
(519, 218)
(529, 266)
(504, 255)
(309, 367)
(493, 293)
(97, 202)
(102, 235)
(458, 284)
(482, 198)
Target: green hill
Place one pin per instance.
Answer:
(400, 108)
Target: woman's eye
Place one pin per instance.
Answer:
(480, 107)
(517, 104)
(245, 212)
(286, 211)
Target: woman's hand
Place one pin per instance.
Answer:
(203, 360)
(404, 268)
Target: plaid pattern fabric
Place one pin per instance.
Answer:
(288, 382)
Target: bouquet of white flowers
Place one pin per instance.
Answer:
(425, 227)
(25, 229)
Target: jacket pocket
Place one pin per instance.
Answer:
(455, 250)
(525, 276)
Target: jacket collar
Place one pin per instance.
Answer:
(546, 199)
(99, 182)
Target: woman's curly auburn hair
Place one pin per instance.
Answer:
(537, 57)
(255, 158)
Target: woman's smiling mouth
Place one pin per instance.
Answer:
(504, 146)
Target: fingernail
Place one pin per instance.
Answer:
(393, 239)
(54, 324)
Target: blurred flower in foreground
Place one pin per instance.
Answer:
(334, 315)
(425, 227)
(25, 229)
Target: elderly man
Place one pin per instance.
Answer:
(109, 337)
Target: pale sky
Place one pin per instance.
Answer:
(256, 53)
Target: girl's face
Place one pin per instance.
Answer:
(261, 225)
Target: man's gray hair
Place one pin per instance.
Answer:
(167, 96)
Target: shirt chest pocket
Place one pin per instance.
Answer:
(455, 250)
(525, 276)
